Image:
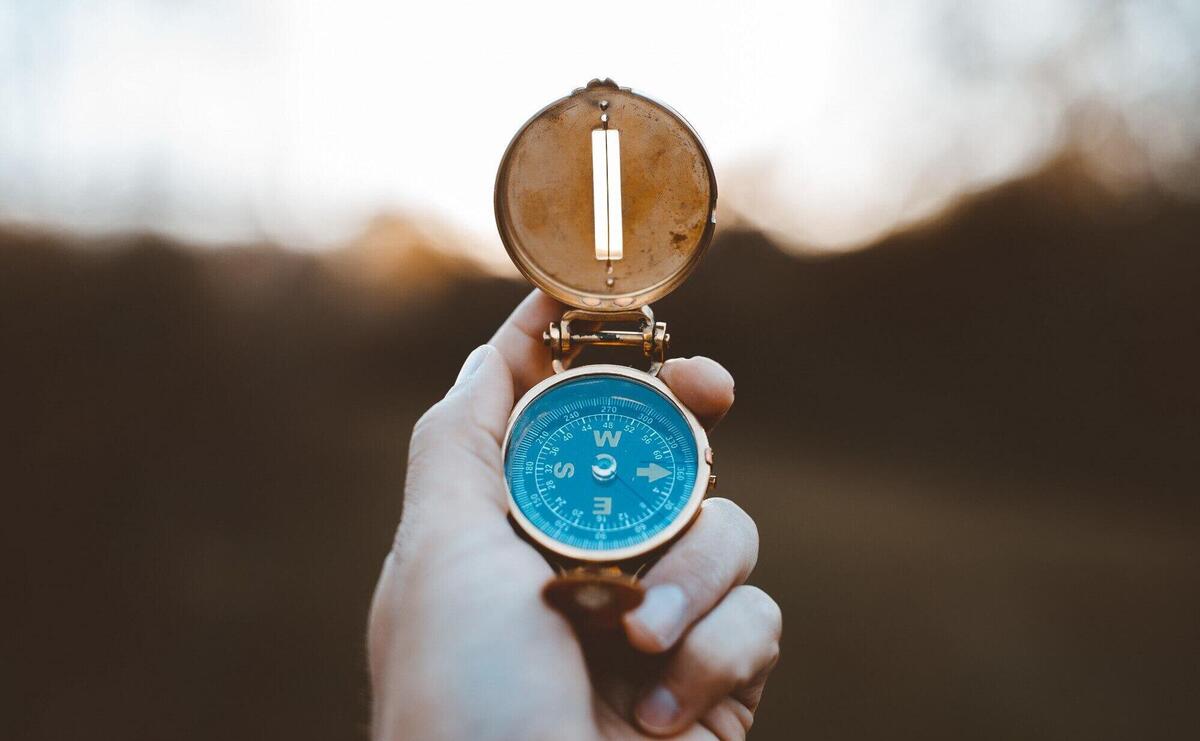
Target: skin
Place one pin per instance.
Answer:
(461, 644)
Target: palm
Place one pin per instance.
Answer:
(494, 579)
(578, 689)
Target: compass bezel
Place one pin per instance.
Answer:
(681, 522)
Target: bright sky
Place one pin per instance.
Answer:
(828, 122)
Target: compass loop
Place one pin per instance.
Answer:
(650, 336)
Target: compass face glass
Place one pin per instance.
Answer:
(601, 462)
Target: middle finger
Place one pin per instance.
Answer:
(716, 554)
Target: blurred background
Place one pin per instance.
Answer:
(243, 245)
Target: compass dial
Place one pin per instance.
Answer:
(601, 463)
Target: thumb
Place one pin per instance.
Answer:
(454, 457)
(482, 394)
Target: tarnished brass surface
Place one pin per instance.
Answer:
(594, 597)
(544, 199)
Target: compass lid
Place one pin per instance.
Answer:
(606, 199)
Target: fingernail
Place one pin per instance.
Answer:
(658, 710)
(661, 613)
(472, 363)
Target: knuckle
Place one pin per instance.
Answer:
(714, 662)
(767, 620)
(478, 442)
(708, 576)
(772, 656)
(767, 610)
(717, 660)
(740, 529)
(430, 423)
(741, 668)
(448, 423)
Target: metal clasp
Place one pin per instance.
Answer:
(651, 336)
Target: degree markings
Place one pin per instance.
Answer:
(662, 446)
(672, 439)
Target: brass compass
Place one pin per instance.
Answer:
(606, 200)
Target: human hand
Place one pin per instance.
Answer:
(461, 645)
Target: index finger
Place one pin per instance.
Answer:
(519, 340)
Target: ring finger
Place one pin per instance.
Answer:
(718, 672)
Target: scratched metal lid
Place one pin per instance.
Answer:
(606, 199)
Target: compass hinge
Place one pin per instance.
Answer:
(566, 337)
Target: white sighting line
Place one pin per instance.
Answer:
(606, 193)
(600, 192)
(616, 244)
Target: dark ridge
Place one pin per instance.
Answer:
(971, 451)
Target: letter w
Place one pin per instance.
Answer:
(607, 437)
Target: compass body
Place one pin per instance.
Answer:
(603, 464)
(605, 200)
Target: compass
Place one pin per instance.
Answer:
(602, 466)
(606, 200)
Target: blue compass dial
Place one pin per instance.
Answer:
(601, 462)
